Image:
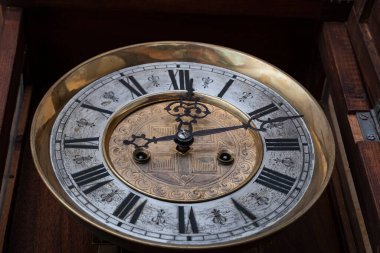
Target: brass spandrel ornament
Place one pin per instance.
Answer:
(179, 145)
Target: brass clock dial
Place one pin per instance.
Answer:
(182, 145)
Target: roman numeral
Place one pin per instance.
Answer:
(183, 79)
(125, 208)
(263, 111)
(183, 227)
(243, 210)
(84, 143)
(131, 81)
(284, 144)
(275, 180)
(89, 176)
(94, 108)
(226, 87)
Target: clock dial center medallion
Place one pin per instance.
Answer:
(196, 175)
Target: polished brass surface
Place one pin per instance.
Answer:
(287, 87)
(196, 175)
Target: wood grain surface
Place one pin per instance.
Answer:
(15, 152)
(374, 24)
(10, 64)
(348, 91)
(344, 193)
(367, 174)
(341, 69)
(364, 45)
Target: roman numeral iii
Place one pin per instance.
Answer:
(285, 144)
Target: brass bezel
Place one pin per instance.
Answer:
(58, 95)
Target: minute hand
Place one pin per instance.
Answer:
(245, 126)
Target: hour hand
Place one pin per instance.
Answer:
(141, 141)
(247, 125)
(188, 109)
(183, 139)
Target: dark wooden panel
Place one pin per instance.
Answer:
(367, 174)
(10, 69)
(363, 8)
(374, 24)
(341, 69)
(367, 55)
(60, 39)
(273, 8)
(15, 152)
(40, 224)
(1, 18)
(359, 161)
(344, 193)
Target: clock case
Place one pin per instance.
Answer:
(331, 48)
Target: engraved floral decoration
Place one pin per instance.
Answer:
(195, 176)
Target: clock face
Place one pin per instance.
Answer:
(115, 152)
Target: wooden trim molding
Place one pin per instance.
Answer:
(11, 54)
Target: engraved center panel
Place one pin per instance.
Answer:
(196, 175)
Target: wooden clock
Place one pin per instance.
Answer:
(180, 145)
(336, 61)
